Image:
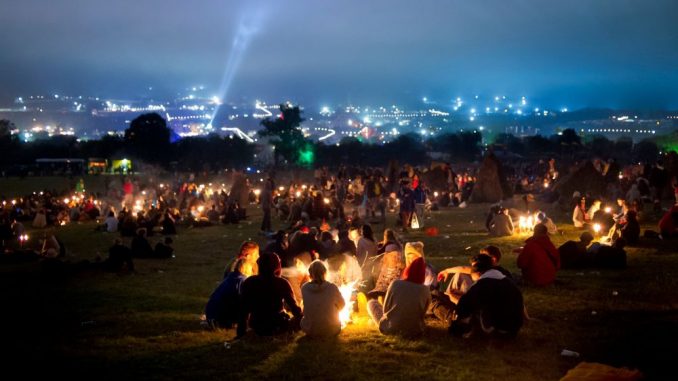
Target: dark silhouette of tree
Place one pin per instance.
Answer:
(6, 128)
(213, 152)
(285, 135)
(511, 143)
(646, 151)
(148, 138)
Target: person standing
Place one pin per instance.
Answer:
(266, 202)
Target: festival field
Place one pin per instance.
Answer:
(147, 325)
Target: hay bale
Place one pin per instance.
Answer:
(585, 179)
(489, 186)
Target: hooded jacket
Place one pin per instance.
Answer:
(539, 260)
(322, 303)
(263, 295)
(406, 302)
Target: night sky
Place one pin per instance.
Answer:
(602, 53)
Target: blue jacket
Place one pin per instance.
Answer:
(223, 306)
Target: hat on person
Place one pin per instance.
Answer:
(416, 271)
(415, 249)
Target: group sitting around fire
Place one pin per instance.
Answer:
(283, 290)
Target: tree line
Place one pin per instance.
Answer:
(149, 139)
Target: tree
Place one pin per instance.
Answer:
(148, 138)
(646, 151)
(286, 136)
(6, 128)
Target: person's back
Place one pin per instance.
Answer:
(496, 301)
(141, 248)
(119, 256)
(111, 224)
(321, 309)
(164, 249)
(405, 306)
(223, 307)
(262, 299)
(366, 248)
(501, 225)
(539, 260)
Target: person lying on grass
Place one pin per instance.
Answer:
(263, 297)
(493, 305)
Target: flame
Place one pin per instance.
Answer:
(346, 291)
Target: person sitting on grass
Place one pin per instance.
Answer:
(262, 298)
(414, 250)
(164, 249)
(119, 258)
(249, 251)
(631, 231)
(573, 254)
(405, 304)
(539, 259)
(501, 224)
(668, 225)
(111, 223)
(462, 279)
(322, 304)
(141, 248)
(493, 305)
(223, 307)
(168, 225)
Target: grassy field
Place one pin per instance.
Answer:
(146, 325)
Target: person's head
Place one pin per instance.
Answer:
(326, 236)
(540, 230)
(111, 214)
(631, 215)
(480, 264)
(389, 236)
(141, 232)
(249, 250)
(586, 238)
(493, 252)
(367, 232)
(269, 265)
(168, 240)
(317, 271)
(413, 250)
(117, 241)
(343, 234)
(415, 272)
(541, 216)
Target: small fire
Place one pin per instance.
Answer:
(597, 228)
(608, 210)
(346, 291)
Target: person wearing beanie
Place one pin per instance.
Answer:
(322, 304)
(539, 260)
(493, 305)
(405, 304)
(262, 298)
(414, 250)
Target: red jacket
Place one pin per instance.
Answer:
(666, 225)
(539, 261)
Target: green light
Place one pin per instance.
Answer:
(306, 156)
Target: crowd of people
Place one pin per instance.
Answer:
(328, 262)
